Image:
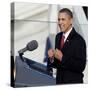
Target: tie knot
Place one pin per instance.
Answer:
(63, 36)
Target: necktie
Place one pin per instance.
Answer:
(62, 41)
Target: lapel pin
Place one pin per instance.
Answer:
(67, 40)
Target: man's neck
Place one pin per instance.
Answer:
(69, 28)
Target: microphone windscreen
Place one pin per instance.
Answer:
(32, 45)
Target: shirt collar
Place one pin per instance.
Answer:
(67, 34)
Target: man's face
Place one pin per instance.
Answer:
(64, 22)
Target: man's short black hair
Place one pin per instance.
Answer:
(66, 10)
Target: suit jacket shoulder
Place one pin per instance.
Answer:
(77, 37)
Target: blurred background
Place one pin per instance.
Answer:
(30, 21)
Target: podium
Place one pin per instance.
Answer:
(30, 73)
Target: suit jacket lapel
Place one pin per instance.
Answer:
(66, 44)
(58, 40)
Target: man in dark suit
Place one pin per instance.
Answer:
(69, 56)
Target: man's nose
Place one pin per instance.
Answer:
(60, 22)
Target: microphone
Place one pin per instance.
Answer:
(32, 45)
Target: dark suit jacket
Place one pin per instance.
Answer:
(70, 69)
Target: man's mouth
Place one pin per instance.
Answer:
(61, 26)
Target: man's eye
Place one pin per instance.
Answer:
(63, 19)
(58, 19)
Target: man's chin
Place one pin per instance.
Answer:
(62, 30)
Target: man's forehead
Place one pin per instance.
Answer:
(63, 14)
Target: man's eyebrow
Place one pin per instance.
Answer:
(61, 18)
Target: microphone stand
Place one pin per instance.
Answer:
(21, 57)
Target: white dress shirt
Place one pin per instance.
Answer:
(67, 34)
